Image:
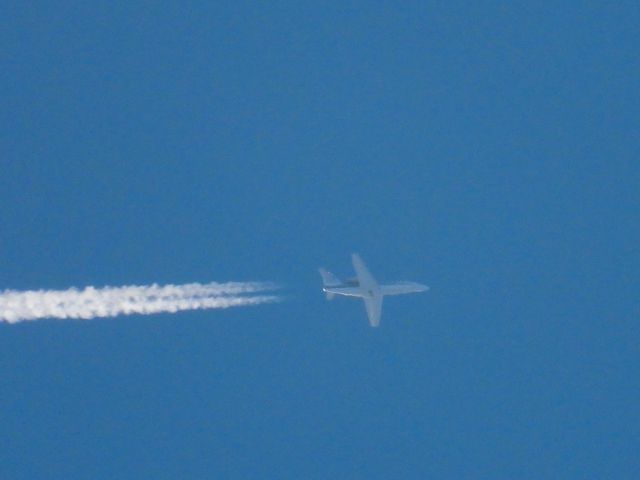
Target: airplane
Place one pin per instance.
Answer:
(366, 287)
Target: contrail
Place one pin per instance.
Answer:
(91, 302)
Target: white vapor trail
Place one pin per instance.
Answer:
(91, 302)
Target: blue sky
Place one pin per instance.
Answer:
(487, 150)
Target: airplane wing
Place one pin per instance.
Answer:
(366, 280)
(374, 309)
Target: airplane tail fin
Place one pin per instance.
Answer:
(329, 280)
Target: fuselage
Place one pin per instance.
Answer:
(398, 288)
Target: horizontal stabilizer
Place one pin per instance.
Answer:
(329, 279)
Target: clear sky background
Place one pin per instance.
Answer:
(489, 150)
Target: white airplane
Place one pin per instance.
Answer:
(365, 286)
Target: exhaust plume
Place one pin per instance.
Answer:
(91, 302)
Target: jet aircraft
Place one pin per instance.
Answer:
(366, 287)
